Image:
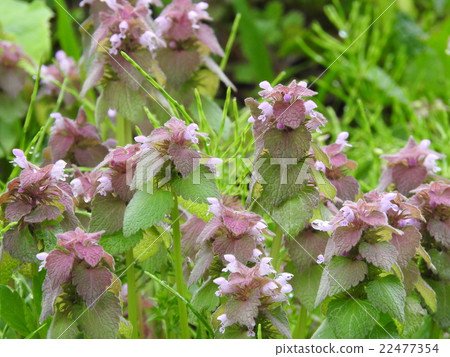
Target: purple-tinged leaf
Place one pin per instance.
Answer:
(241, 248)
(16, 210)
(107, 214)
(92, 254)
(289, 114)
(440, 230)
(243, 312)
(340, 275)
(342, 240)
(203, 261)
(406, 244)
(288, 144)
(185, 159)
(381, 254)
(407, 178)
(43, 212)
(91, 283)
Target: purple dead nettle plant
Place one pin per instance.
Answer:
(433, 199)
(76, 141)
(251, 294)
(380, 230)
(78, 276)
(12, 71)
(346, 186)
(410, 167)
(38, 200)
(53, 76)
(121, 26)
(189, 42)
(230, 231)
(172, 143)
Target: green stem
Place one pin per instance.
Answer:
(178, 258)
(276, 248)
(301, 330)
(123, 136)
(132, 296)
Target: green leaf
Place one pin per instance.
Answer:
(199, 209)
(107, 214)
(427, 293)
(352, 318)
(102, 320)
(306, 284)
(128, 103)
(288, 144)
(149, 245)
(279, 320)
(441, 261)
(117, 243)
(27, 24)
(197, 187)
(145, 209)
(13, 310)
(442, 315)
(414, 314)
(320, 154)
(62, 327)
(388, 295)
(381, 254)
(7, 266)
(204, 299)
(340, 275)
(325, 186)
(325, 331)
(293, 214)
(280, 182)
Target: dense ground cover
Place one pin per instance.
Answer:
(244, 170)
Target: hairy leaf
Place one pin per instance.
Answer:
(352, 318)
(381, 254)
(340, 275)
(102, 321)
(197, 187)
(91, 283)
(287, 144)
(117, 243)
(388, 295)
(145, 209)
(107, 214)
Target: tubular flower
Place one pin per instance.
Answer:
(171, 144)
(79, 262)
(39, 197)
(410, 167)
(229, 231)
(433, 199)
(76, 141)
(250, 291)
(12, 75)
(284, 107)
(65, 67)
(346, 186)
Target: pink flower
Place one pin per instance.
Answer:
(320, 259)
(251, 289)
(408, 168)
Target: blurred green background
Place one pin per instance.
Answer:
(381, 80)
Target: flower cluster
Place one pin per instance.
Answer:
(410, 167)
(433, 199)
(126, 26)
(12, 75)
(173, 142)
(250, 291)
(65, 67)
(286, 108)
(229, 231)
(78, 261)
(113, 175)
(76, 141)
(39, 196)
(346, 186)
(181, 22)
